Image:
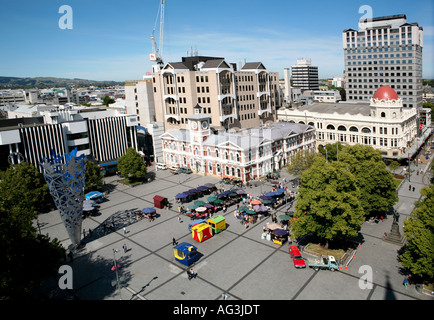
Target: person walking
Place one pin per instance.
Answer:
(125, 248)
(409, 188)
(413, 189)
(405, 282)
(174, 242)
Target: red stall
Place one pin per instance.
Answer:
(160, 202)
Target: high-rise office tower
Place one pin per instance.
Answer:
(384, 51)
(304, 75)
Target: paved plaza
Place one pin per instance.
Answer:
(236, 262)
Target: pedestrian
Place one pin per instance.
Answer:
(125, 248)
(413, 189)
(189, 275)
(192, 274)
(179, 219)
(409, 188)
(84, 233)
(405, 283)
(174, 242)
(90, 232)
(125, 230)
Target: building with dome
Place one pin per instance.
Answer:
(383, 123)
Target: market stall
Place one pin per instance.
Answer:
(160, 202)
(186, 253)
(201, 232)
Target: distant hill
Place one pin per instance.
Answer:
(50, 82)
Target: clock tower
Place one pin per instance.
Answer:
(199, 126)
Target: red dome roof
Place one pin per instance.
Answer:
(385, 93)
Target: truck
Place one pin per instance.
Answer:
(323, 262)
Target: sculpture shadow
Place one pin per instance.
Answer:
(93, 279)
(117, 221)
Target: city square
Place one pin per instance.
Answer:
(236, 264)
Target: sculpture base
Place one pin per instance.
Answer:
(395, 237)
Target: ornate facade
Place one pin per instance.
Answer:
(247, 154)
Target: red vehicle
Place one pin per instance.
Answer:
(296, 257)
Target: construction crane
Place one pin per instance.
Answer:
(158, 50)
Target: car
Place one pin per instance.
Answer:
(161, 166)
(185, 170)
(296, 257)
(174, 170)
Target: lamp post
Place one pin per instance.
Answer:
(115, 266)
(409, 164)
(325, 152)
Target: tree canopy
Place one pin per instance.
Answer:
(93, 177)
(337, 195)
(300, 162)
(376, 184)
(26, 258)
(328, 205)
(418, 256)
(107, 100)
(131, 166)
(23, 189)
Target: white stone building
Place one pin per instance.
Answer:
(383, 123)
(247, 154)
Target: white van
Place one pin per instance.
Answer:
(161, 166)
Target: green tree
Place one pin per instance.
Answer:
(418, 256)
(394, 165)
(26, 258)
(93, 177)
(131, 166)
(23, 189)
(376, 184)
(331, 151)
(328, 205)
(301, 162)
(107, 100)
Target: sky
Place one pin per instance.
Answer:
(111, 40)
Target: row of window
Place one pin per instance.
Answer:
(383, 142)
(380, 62)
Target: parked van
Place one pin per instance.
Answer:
(161, 166)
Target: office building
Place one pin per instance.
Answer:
(384, 51)
(102, 134)
(234, 99)
(305, 76)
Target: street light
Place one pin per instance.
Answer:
(409, 164)
(115, 267)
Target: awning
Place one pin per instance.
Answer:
(108, 164)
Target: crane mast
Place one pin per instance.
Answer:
(158, 49)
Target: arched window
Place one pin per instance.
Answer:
(383, 115)
(342, 128)
(216, 153)
(366, 130)
(330, 127)
(354, 129)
